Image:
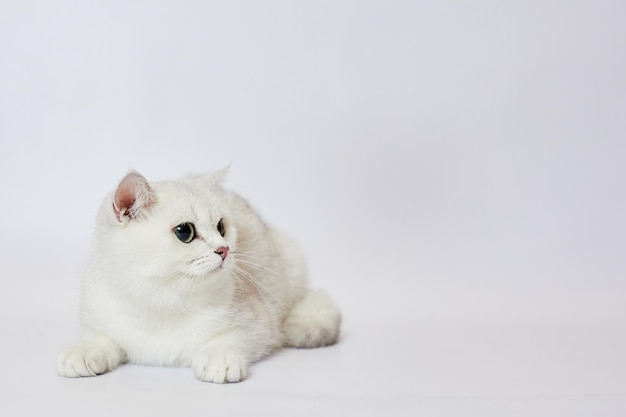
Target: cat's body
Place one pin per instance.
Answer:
(185, 273)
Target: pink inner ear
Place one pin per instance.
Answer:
(133, 194)
(124, 199)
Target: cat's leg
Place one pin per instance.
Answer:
(95, 354)
(220, 361)
(313, 322)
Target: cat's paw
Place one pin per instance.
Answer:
(89, 358)
(219, 368)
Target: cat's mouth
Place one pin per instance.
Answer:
(205, 265)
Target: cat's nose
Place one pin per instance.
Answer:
(223, 252)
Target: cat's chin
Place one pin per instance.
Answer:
(209, 273)
(206, 266)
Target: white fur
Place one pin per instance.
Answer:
(148, 298)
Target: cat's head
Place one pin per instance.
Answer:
(167, 231)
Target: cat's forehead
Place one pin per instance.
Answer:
(182, 198)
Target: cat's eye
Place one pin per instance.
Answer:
(185, 232)
(220, 227)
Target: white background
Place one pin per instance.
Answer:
(454, 170)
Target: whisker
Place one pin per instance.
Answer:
(244, 274)
(245, 255)
(256, 265)
(256, 251)
(239, 282)
(201, 258)
(258, 285)
(276, 273)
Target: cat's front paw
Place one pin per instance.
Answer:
(89, 358)
(219, 368)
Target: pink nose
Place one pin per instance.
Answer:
(223, 252)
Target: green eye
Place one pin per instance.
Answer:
(220, 227)
(185, 232)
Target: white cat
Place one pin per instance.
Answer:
(186, 273)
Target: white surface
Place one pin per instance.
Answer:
(455, 172)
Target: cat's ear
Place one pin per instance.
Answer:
(213, 178)
(133, 195)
